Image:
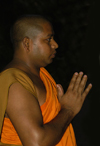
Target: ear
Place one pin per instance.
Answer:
(26, 43)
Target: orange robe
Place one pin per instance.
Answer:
(49, 109)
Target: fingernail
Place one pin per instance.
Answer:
(85, 76)
(76, 73)
(81, 73)
(90, 84)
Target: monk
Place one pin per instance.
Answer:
(34, 110)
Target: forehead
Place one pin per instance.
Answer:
(47, 29)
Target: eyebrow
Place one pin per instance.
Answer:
(50, 35)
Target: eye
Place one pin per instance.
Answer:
(49, 39)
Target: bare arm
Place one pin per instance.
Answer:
(25, 114)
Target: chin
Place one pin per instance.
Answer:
(48, 63)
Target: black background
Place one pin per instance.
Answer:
(77, 32)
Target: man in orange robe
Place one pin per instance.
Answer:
(33, 109)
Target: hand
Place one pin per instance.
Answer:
(76, 93)
(60, 91)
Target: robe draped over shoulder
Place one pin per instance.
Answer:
(49, 109)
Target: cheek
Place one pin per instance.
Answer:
(46, 49)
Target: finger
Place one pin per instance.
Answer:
(85, 93)
(60, 91)
(72, 82)
(82, 84)
(78, 80)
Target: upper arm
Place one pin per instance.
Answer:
(24, 112)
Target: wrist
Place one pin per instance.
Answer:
(67, 111)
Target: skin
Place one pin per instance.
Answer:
(28, 121)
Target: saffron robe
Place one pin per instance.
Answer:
(49, 109)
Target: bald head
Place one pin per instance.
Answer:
(27, 26)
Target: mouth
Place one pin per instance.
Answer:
(53, 55)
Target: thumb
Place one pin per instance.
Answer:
(60, 91)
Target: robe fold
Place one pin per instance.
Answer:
(49, 109)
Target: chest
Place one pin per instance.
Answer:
(40, 90)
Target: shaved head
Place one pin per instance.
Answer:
(26, 26)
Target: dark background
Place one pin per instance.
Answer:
(76, 31)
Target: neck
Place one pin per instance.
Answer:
(25, 66)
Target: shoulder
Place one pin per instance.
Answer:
(12, 75)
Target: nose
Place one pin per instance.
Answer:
(54, 44)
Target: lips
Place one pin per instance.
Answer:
(53, 55)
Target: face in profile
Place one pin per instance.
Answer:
(44, 46)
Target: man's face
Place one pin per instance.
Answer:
(44, 47)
